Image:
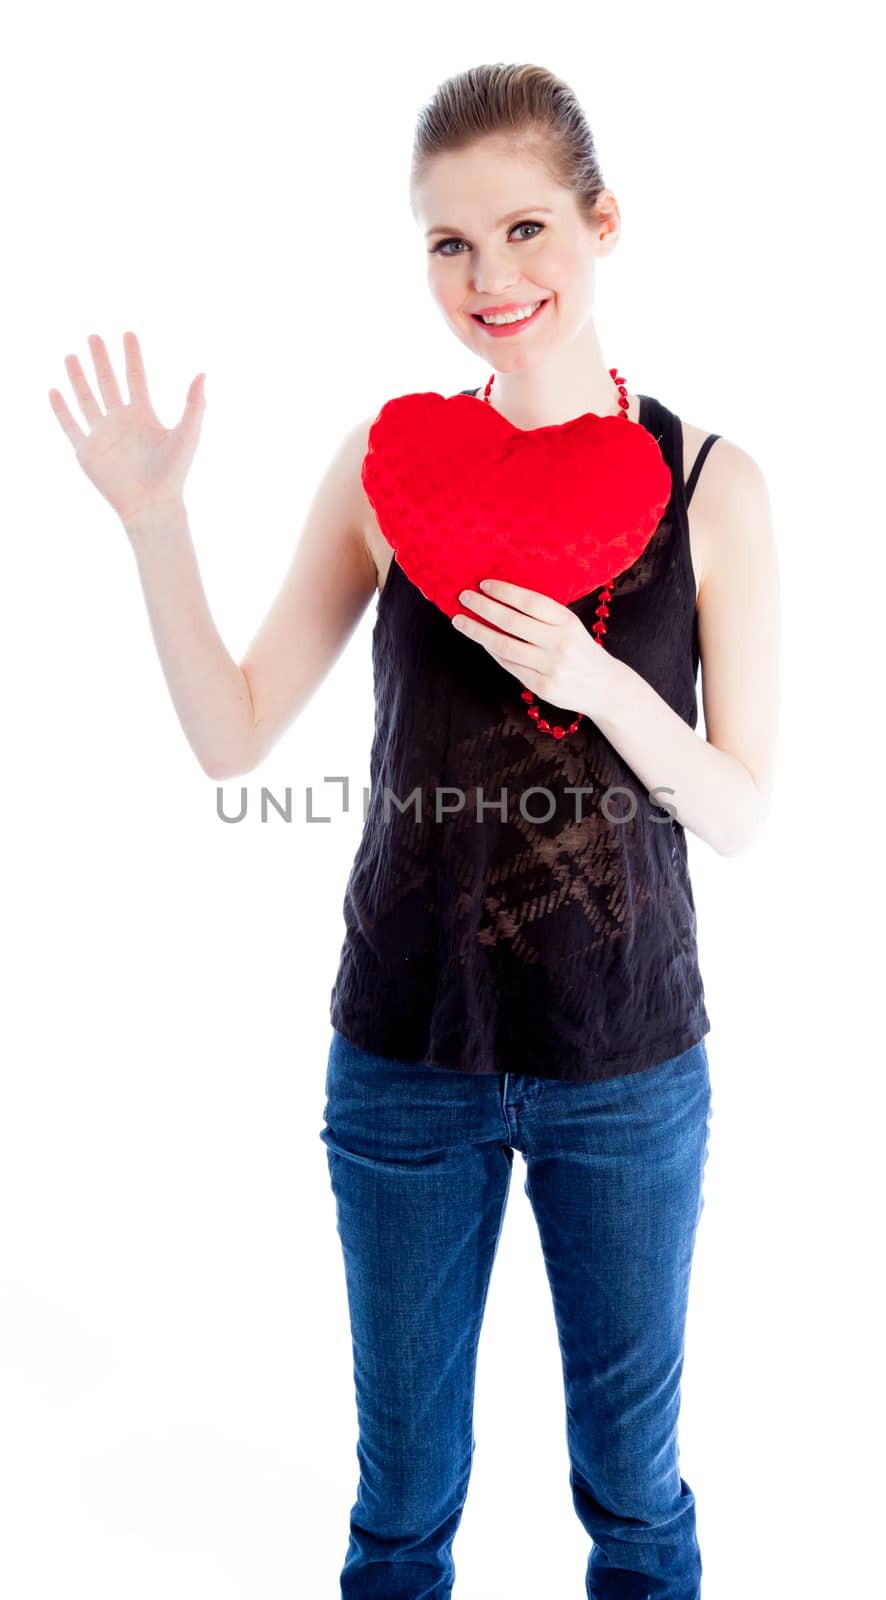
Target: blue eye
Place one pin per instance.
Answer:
(438, 249)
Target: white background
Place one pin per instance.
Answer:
(230, 182)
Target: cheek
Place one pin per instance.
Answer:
(446, 291)
(452, 299)
(559, 271)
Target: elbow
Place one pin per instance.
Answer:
(735, 845)
(223, 771)
(235, 760)
(244, 752)
(745, 830)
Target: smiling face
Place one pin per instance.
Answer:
(501, 233)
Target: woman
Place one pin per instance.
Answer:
(511, 977)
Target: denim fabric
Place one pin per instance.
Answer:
(420, 1162)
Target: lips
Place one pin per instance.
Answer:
(501, 311)
(509, 330)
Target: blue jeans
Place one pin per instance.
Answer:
(420, 1164)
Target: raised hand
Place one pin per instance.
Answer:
(131, 458)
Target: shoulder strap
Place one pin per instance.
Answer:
(658, 421)
(698, 464)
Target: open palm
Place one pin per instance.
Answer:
(131, 458)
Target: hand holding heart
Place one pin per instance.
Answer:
(544, 643)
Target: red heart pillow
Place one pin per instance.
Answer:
(461, 494)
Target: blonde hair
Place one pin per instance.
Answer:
(530, 107)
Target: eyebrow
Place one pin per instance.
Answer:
(501, 221)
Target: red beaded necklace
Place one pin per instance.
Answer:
(602, 611)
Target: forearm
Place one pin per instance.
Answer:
(713, 793)
(208, 689)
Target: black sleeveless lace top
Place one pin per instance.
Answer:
(496, 920)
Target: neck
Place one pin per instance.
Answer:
(571, 380)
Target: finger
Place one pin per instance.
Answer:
(529, 678)
(107, 382)
(85, 397)
(496, 643)
(135, 370)
(514, 621)
(537, 605)
(69, 423)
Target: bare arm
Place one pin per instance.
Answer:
(722, 784)
(233, 714)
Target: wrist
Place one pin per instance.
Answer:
(608, 691)
(156, 519)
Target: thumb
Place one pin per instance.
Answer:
(195, 401)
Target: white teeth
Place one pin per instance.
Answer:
(512, 316)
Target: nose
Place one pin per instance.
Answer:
(493, 275)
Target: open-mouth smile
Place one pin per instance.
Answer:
(512, 321)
